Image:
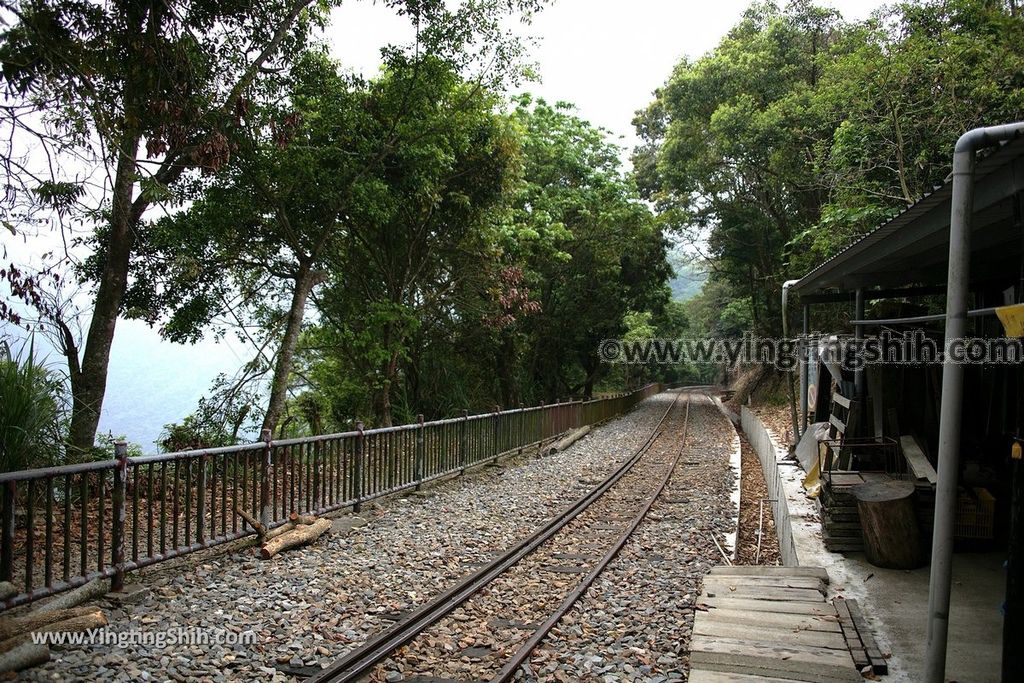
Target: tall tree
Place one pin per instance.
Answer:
(150, 89)
(730, 141)
(589, 245)
(154, 89)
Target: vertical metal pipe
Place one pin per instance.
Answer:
(859, 375)
(418, 467)
(805, 369)
(118, 522)
(357, 469)
(957, 288)
(266, 471)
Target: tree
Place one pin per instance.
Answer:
(590, 247)
(917, 77)
(153, 90)
(730, 141)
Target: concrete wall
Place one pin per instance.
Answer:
(769, 456)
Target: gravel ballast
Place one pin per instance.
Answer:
(309, 605)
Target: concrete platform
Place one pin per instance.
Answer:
(894, 602)
(768, 623)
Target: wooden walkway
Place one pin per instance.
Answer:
(768, 624)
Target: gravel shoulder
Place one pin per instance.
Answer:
(309, 605)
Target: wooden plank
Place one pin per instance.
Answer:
(708, 676)
(853, 642)
(766, 594)
(838, 424)
(806, 582)
(797, 663)
(745, 570)
(779, 607)
(804, 622)
(764, 634)
(916, 459)
(878, 663)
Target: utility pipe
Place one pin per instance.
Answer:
(957, 290)
(805, 368)
(789, 378)
(859, 374)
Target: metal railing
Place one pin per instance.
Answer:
(103, 519)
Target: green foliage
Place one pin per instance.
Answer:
(31, 412)
(799, 132)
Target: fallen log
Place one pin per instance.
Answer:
(296, 518)
(568, 440)
(84, 622)
(7, 590)
(13, 626)
(301, 535)
(23, 656)
(96, 588)
(277, 531)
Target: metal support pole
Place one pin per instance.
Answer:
(805, 370)
(357, 469)
(859, 376)
(418, 464)
(462, 441)
(957, 288)
(266, 472)
(117, 527)
(201, 502)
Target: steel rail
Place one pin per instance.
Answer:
(521, 655)
(357, 663)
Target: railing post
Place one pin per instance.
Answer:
(357, 470)
(117, 531)
(418, 463)
(201, 502)
(266, 472)
(522, 428)
(7, 541)
(462, 441)
(495, 436)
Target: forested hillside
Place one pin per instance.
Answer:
(801, 131)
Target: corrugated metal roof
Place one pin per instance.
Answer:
(909, 225)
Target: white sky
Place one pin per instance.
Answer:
(605, 56)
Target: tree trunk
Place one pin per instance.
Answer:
(305, 280)
(89, 390)
(889, 524)
(382, 397)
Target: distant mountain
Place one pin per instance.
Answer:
(688, 278)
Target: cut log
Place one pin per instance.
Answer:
(96, 588)
(23, 656)
(277, 531)
(568, 440)
(889, 525)
(7, 590)
(296, 518)
(84, 622)
(13, 626)
(299, 536)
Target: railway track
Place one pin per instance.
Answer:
(559, 562)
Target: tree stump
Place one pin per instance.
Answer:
(887, 519)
